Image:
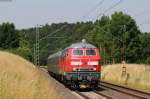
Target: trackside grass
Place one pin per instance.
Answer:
(137, 76)
(19, 79)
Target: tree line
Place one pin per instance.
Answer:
(118, 38)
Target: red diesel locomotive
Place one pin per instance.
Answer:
(78, 65)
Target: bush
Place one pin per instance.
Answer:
(147, 60)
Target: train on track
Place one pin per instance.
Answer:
(78, 66)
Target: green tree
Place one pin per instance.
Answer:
(24, 47)
(126, 35)
(98, 34)
(8, 36)
(145, 41)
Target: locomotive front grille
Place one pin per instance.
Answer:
(84, 69)
(83, 76)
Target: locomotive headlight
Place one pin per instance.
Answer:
(94, 69)
(93, 63)
(76, 63)
(74, 69)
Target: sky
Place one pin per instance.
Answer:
(29, 13)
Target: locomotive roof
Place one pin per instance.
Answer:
(55, 55)
(74, 45)
(81, 45)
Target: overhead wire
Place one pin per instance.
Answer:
(142, 13)
(137, 15)
(57, 30)
(144, 23)
(100, 3)
(92, 10)
(110, 8)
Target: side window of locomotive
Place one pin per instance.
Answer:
(66, 53)
(91, 52)
(77, 52)
(62, 54)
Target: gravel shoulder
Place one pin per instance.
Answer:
(64, 92)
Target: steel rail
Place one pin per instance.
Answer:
(125, 90)
(82, 95)
(131, 89)
(103, 95)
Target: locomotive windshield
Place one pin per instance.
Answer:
(77, 52)
(90, 52)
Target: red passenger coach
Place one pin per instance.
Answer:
(78, 65)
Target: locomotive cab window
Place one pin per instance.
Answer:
(77, 52)
(65, 53)
(91, 52)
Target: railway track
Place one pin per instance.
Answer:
(92, 95)
(125, 90)
(82, 95)
(121, 92)
(103, 95)
(106, 91)
(112, 91)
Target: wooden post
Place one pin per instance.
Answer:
(124, 70)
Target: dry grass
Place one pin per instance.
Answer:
(137, 76)
(19, 79)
